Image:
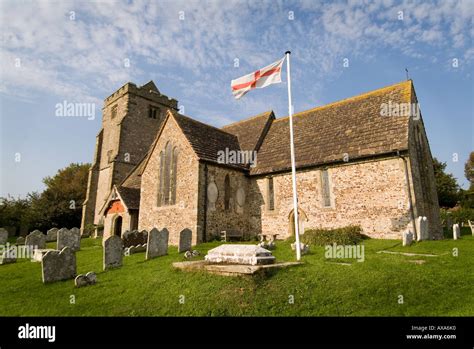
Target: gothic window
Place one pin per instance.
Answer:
(168, 174)
(161, 181)
(227, 193)
(114, 111)
(153, 112)
(325, 189)
(270, 194)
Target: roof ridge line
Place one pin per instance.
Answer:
(248, 119)
(346, 100)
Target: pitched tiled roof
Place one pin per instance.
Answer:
(324, 134)
(130, 196)
(206, 140)
(251, 131)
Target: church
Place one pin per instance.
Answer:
(364, 161)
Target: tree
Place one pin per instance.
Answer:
(469, 170)
(446, 185)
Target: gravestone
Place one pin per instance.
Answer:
(185, 240)
(456, 231)
(407, 238)
(421, 228)
(20, 240)
(8, 256)
(59, 265)
(69, 238)
(3, 236)
(134, 238)
(157, 244)
(85, 280)
(36, 239)
(113, 252)
(52, 235)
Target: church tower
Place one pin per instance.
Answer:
(131, 118)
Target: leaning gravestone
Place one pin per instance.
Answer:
(185, 240)
(456, 232)
(59, 265)
(85, 280)
(113, 252)
(36, 239)
(3, 236)
(407, 238)
(69, 238)
(20, 240)
(157, 244)
(52, 235)
(134, 238)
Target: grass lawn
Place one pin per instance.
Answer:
(443, 285)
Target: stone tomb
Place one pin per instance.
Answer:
(157, 244)
(185, 240)
(113, 252)
(69, 238)
(240, 254)
(8, 256)
(58, 265)
(36, 239)
(3, 236)
(456, 232)
(52, 235)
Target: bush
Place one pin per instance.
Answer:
(349, 235)
(458, 215)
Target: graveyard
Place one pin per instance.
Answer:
(427, 278)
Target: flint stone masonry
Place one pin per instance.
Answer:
(456, 232)
(85, 280)
(113, 252)
(185, 240)
(36, 239)
(240, 254)
(407, 238)
(58, 265)
(52, 235)
(8, 256)
(38, 254)
(3, 236)
(69, 238)
(157, 243)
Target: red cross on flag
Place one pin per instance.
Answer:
(271, 74)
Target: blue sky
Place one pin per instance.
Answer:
(77, 51)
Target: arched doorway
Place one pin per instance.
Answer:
(118, 226)
(302, 218)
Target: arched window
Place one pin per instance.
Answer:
(161, 181)
(168, 173)
(174, 168)
(227, 193)
(270, 195)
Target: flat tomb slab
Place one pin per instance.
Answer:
(231, 269)
(240, 254)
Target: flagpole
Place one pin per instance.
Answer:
(293, 166)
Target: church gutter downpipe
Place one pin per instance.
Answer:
(407, 178)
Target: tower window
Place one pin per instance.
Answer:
(153, 112)
(114, 111)
(168, 173)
